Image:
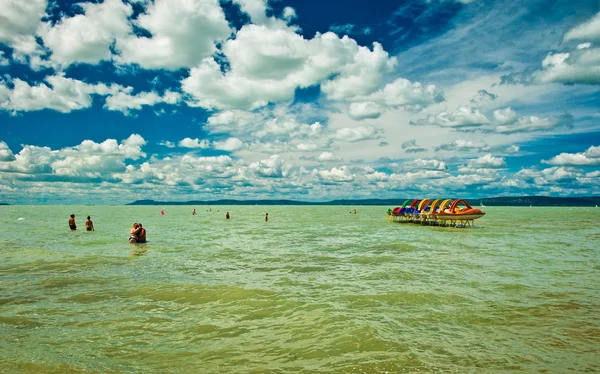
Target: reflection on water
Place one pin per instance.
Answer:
(314, 289)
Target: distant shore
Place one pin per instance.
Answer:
(590, 201)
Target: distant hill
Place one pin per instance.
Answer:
(488, 201)
(4, 204)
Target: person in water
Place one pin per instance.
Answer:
(134, 233)
(194, 212)
(142, 234)
(267, 217)
(227, 215)
(89, 225)
(72, 224)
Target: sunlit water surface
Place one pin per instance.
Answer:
(315, 289)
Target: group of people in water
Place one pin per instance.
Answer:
(137, 234)
(89, 225)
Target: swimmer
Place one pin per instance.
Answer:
(194, 212)
(134, 232)
(89, 225)
(267, 217)
(227, 215)
(72, 224)
(142, 234)
(162, 212)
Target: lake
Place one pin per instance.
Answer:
(315, 289)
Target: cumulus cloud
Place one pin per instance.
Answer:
(3, 60)
(327, 156)
(5, 153)
(124, 102)
(513, 149)
(580, 66)
(60, 94)
(273, 167)
(533, 123)
(463, 117)
(194, 143)
(488, 161)
(364, 110)
(231, 144)
(591, 157)
(268, 64)
(422, 164)
(356, 134)
(460, 145)
(182, 32)
(335, 175)
(19, 22)
(87, 38)
(86, 160)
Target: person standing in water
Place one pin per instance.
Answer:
(89, 225)
(267, 217)
(72, 224)
(141, 234)
(194, 212)
(227, 215)
(162, 212)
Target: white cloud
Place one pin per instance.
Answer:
(488, 161)
(256, 9)
(268, 64)
(513, 149)
(461, 145)
(364, 110)
(533, 123)
(231, 144)
(167, 144)
(87, 160)
(505, 116)
(463, 117)
(194, 143)
(125, 102)
(355, 134)
(341, 174)
(60, 94)
(289, 13)
(273, 167)
(3, 60)
(588, 31)
(328, 156)
(5, 153)
(411, 146)
(581, 66)
(86, 38)
(591, 157)
(18, 23)
(183, 33)
(422, 164)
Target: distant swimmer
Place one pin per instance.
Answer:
(162, 212)
(142, 234)
(354, 211)
(194, 212)
(89, 225)
(227, 215)
(72, 224)
(267, 217)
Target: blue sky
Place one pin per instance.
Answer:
(110, 101)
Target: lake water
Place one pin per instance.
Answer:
(315, 289)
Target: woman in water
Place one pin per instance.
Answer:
(133, 233)
(89, 225)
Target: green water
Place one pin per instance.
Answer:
(315, 289)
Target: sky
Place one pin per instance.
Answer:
(111, 101)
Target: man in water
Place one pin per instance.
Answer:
(142, 234)
(267, 217)
(194, 212)
(72, 224)
(89, 225)
(227, 215)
